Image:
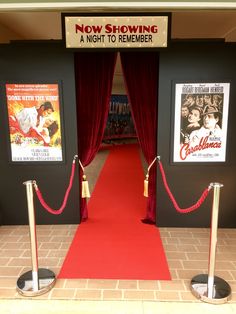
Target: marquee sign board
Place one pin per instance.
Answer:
(116, 31)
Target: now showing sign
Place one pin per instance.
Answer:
(116, 31)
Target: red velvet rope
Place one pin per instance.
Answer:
(60, 210)
(181, 210)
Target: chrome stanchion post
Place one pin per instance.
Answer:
(37, 281)
(210, 288)
(212, 249)
(32, 231)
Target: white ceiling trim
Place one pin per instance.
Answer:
(115, 5)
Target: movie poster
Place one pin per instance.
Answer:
(34, 122)
(119, 122)
(200, 127)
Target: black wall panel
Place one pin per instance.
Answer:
(48, 62)
(195, 62)
(183, 61)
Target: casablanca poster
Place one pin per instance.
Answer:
(34, 122)
(200, 126)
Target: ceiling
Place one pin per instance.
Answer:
(201, 24)
(185, 24)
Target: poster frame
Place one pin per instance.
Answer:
(174, 113)
(7, 127)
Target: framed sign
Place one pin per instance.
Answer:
(34, 118)
(116, 31)
(200, 122)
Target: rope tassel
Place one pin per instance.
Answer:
(145, 192)
(85, 186)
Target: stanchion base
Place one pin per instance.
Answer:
(221, 289)
(46, 279)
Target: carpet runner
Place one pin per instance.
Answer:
(113, 243)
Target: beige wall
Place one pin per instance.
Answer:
(6, 33)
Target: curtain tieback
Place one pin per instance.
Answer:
(145, 193)
(85, 187)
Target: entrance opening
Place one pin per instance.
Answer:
(120, 128)
(95, 73)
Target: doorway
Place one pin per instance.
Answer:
(140, 71)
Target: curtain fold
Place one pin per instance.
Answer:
(94, 73)
(140, 71)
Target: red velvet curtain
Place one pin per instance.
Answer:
(140, 71)
(94, 73)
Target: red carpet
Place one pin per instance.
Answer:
(113, 243)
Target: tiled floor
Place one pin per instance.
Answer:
(186, 250)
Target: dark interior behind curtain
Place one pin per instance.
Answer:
(94, 73)
(140, 71)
